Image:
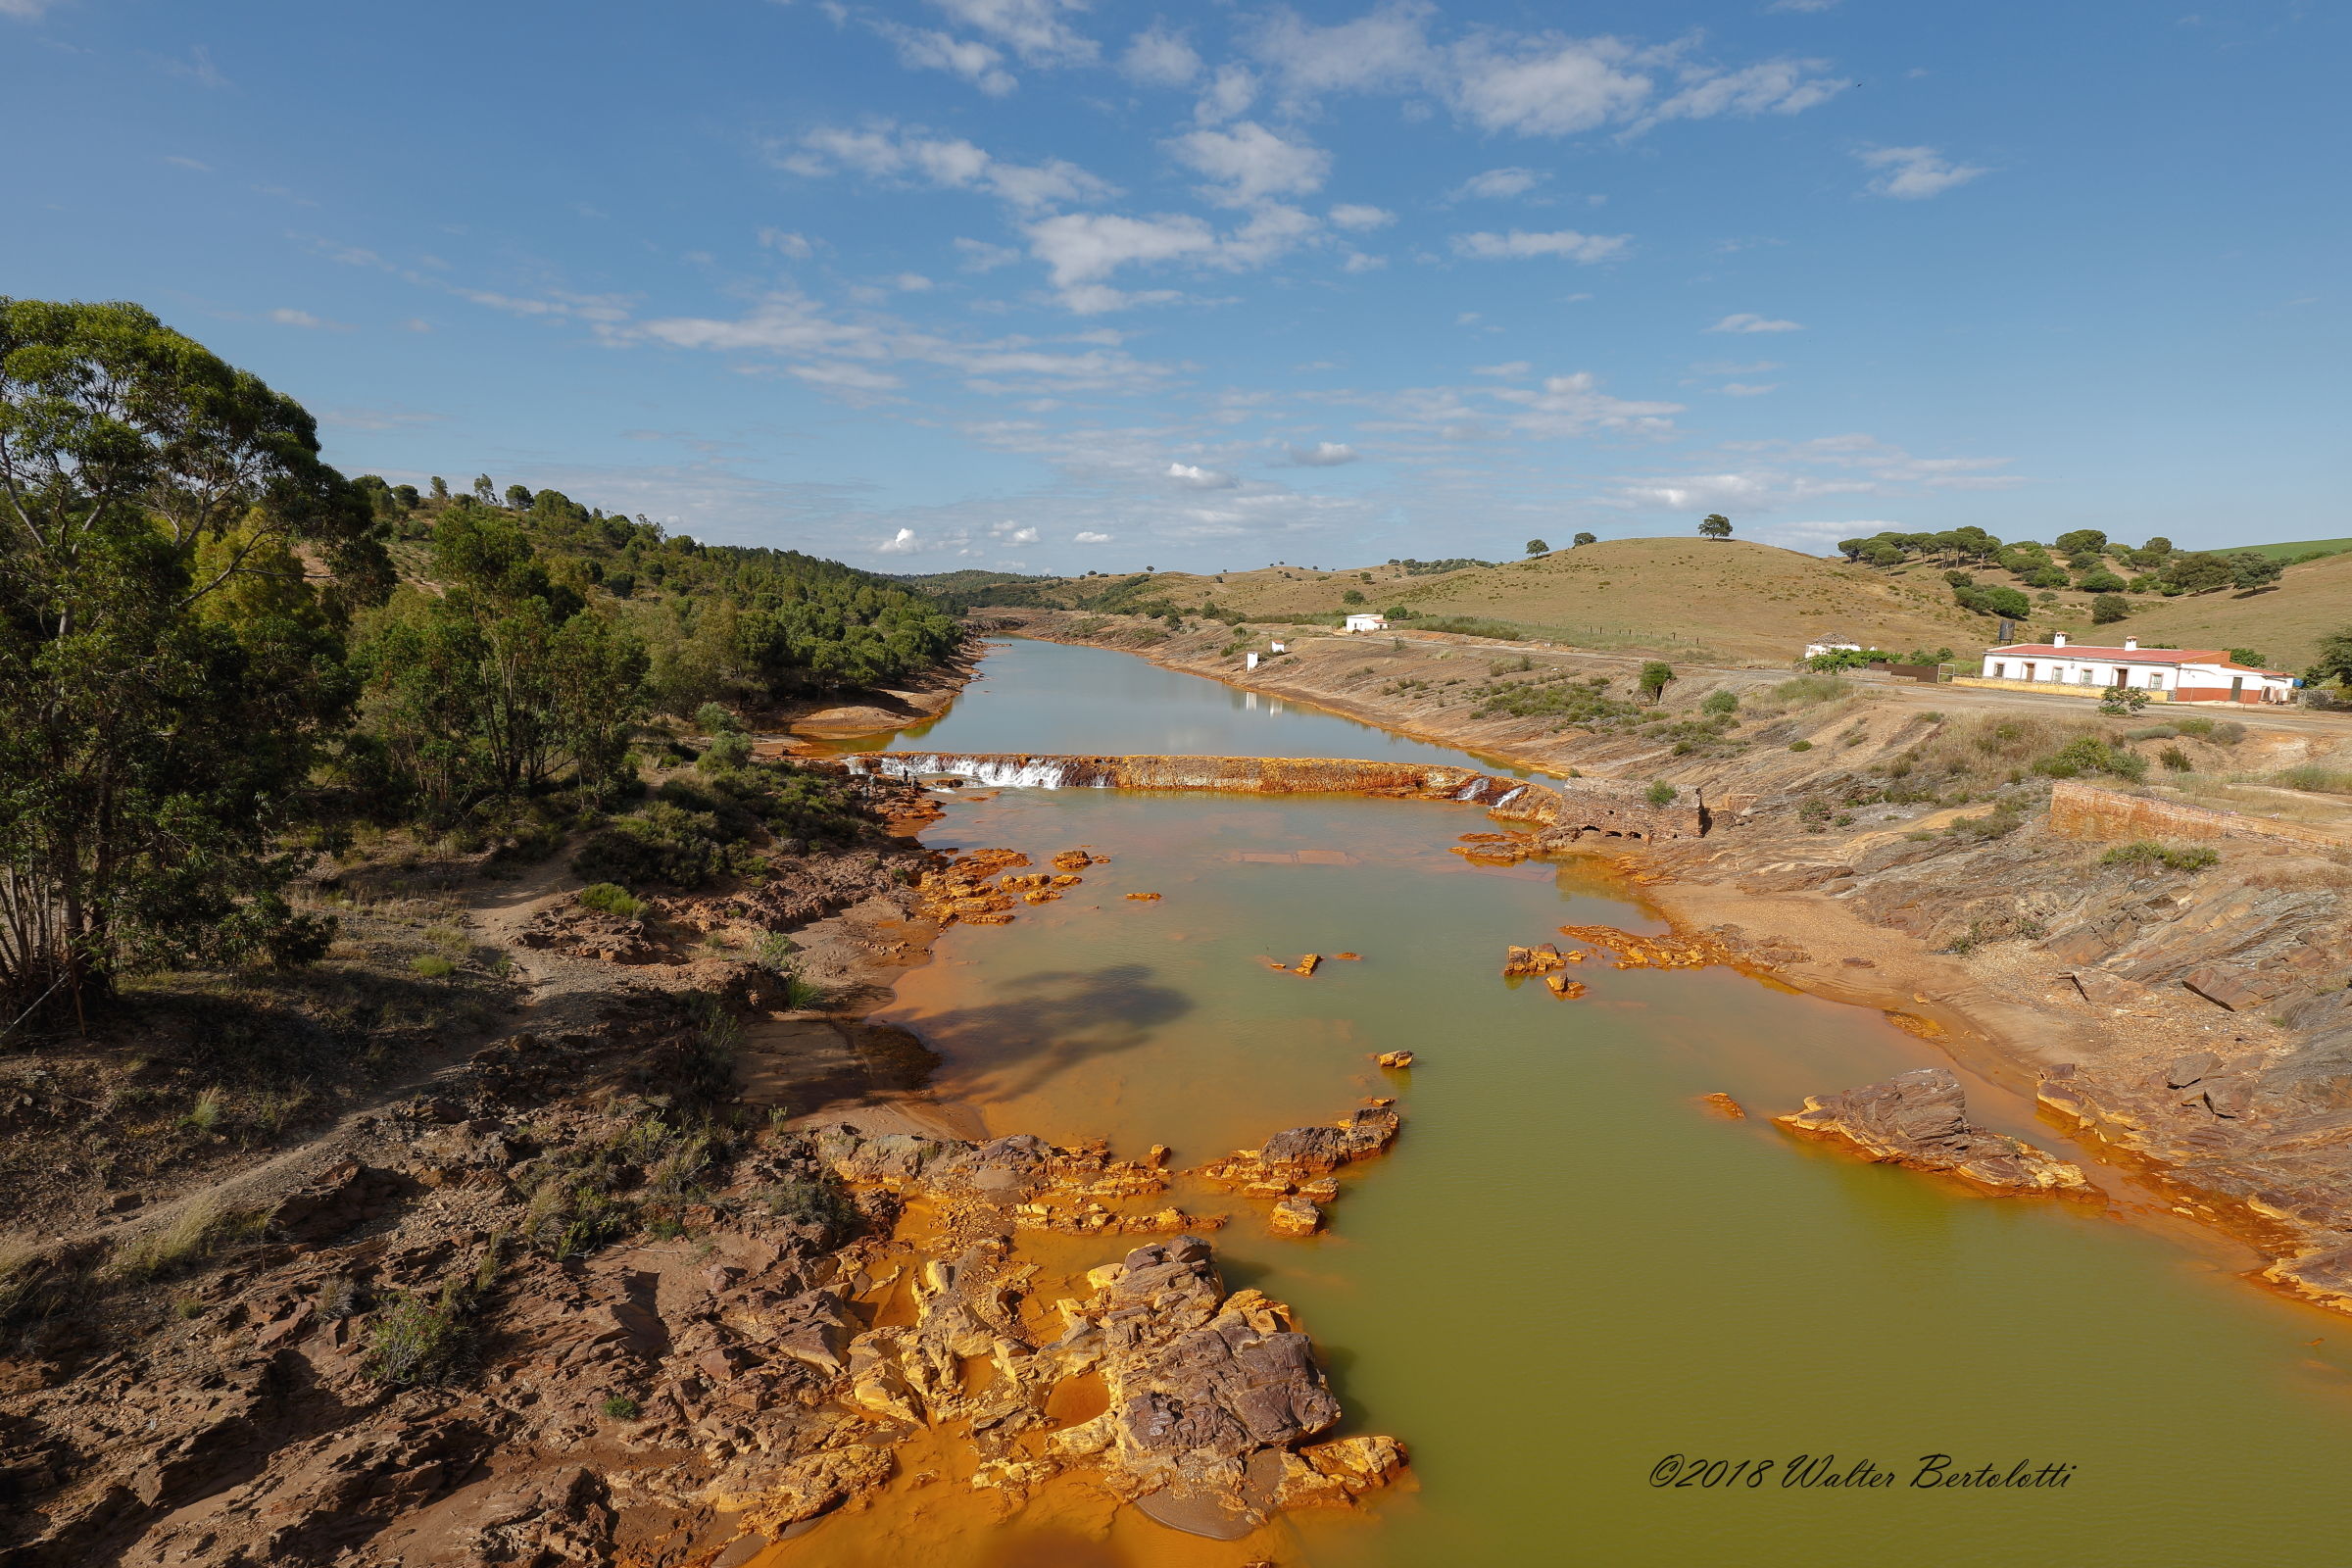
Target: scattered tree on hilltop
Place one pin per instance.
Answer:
(1536, 547)
(1588, 539)
(1715, 525)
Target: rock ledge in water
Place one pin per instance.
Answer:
(1920, 1119)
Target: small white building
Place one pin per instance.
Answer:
(1367, 623)
(1831, 643)
(2165, 674)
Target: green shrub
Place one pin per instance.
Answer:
(1800, 746)
(2145, 855)
(2175, 759)
(1659, 794)
(2002, 821)
(725, 752)
(2087, 753)
(607, 898)
(1720, 701)
(2229, 732)
(2193, 724)
(2319, 780)
(2151, 732)
(416, 1338)
(620, 1407)
(1806, 690)
(806, 1202)
(433, 966)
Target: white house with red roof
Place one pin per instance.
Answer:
(2165, 674)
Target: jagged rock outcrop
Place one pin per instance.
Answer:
(1209, 1392)
(1920, 1119)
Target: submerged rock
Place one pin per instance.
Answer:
(1920, 1119)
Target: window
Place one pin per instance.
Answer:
(2086, 677)
(2155, 680)
(2000, 671)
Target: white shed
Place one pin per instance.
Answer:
(1367, 623)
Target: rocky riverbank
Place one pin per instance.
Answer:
(1890, 847)
(671, 1268)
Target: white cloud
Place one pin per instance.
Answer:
(1749, 322)
(1548, 86)
(1229, 93)
(1518, 244)
(1914, 173)
(1090, 538)
(1250, 163)
(1385, 49)
(1357, 218)
(796, 246)
(1796, 472)
(1801, 5)
(979, 255)
(24, 10)
(285, 316)
(910, 283)
(1358, 261)
(174, 158)
(910, 155)
(923, 49)
(901, 543)
(1034, 29)
(1016, 536)
(1087, 247)
(1574, 405)
(198, 68)
(1532, 85)
(1746, 389)
(1730, 368)
(1323, 454)
(1195, 478)
(1083, 249)
(1508, 369)
(1159, 58)
(844, 378)
(1497, 184)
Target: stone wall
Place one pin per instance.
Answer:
(2080, 810)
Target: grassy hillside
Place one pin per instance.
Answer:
(1746, 602)
(2301, 549)
(2284, 625)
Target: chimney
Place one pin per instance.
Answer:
(2058, 639)
(2131, 645)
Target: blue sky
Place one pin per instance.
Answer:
(1032, 284)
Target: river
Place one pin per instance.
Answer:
(1567, 1270)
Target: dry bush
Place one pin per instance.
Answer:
(1976, 752)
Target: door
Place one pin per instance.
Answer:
(2237, 685)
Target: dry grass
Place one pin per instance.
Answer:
(1689, 598)
(205, 1228)
(2284, 625)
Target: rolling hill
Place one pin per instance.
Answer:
(1730, 601)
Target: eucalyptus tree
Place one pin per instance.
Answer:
(177, 568)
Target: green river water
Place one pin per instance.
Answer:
(1567, 1271)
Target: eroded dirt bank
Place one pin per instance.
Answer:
(1890, 847)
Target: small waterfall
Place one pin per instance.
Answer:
(1004, 772)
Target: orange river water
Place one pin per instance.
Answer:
(1567, 1273)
